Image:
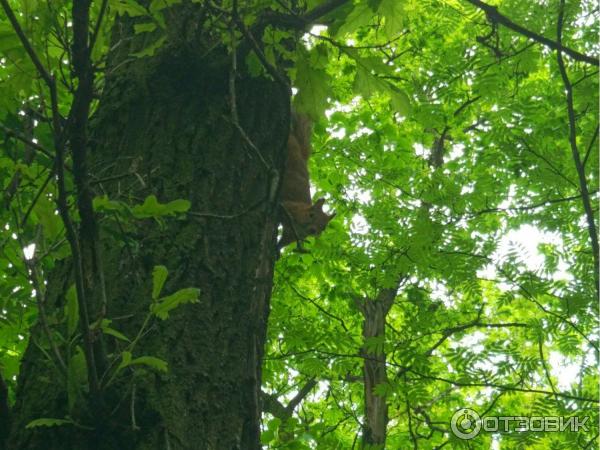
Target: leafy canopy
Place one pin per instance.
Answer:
(443, 142)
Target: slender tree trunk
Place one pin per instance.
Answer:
(163, 127)
(374, 373)
(374, 312)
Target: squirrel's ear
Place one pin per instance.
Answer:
(319, 203)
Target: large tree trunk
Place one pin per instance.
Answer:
(163, 127)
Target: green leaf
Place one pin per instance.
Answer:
(178, 206)
(150, 49)
(361, 15)
(159, 5)
(76, 377)
(149, 361)
(126, 358)
(8, 38)
(103, 203)
(45, 211)
(370, 63)
(267, 436)
(129, 7)
(125, 361)
(368, 85)
(144, 27)
(365, 83)
(255, 67)
(47, 422)
(106, 329)
(159, 276)
(393, 11)
(163, 306)
(399, 99)
(152, 208)
(313, 90)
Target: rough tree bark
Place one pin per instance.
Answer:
(374, 311)
(163, 127)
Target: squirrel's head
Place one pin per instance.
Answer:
(318, 218)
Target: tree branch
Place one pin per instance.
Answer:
(585, 195)
(495, 16)
(76, 127)
(528, 295)
(529, 207)
(273, 406)
(503, 388)
(299, 22)
(447, 332)
(301, 395)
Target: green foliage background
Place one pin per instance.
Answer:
(389, 83)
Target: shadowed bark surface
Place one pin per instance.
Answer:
(163, 127)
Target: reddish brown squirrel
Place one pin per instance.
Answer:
(300, 218)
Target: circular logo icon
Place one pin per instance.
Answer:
(465, 423)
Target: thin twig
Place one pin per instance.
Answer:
(503, 388)
(96, 32)
(554, 169)
(529, 207)
(545, 366)
(260, 54)
(339, 45)
(17, 135)
(448, 332)
(40, 297)
(37, 197)
(315, 304)
(527, 294)
(226, 216)
(413, 437)
(590, 147)
(232, 90)
(495, 16)
(134, 426)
